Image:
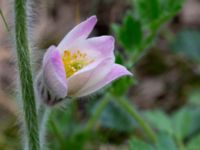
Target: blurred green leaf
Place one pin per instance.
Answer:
(118, 58)
(114, 117)
(176, 4)
(154, 13)
(187, 42)
(194, 143)
(121, 86)
(130, 33)
(194, 97)
(66, 128)
(160, 120)
(137, 144)
(115, 28)
(147, 10)
(194, 112)
(77, 141)
(165, 142)
(171, 5)
(67, 117)
(181, 123)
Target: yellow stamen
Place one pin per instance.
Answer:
(73, 62)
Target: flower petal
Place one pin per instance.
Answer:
(97, 75)
(81, 31)
(102, 44)
(54, 73)
(48, 54)
(78, 80)
(96, 48)
(116, 72)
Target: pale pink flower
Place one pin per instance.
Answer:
(79, 65)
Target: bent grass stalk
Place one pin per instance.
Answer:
(100, 108)
(4, 20)
(25, 76)
(125, 105)
(148, 130)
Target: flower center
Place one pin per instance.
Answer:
(73, 62)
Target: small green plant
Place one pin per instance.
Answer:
(72, 70)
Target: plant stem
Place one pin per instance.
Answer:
(43, 117)
(101, 106)
(180, 144)
(25, 76)
(58, 135)
(4, 20)
(128, 107)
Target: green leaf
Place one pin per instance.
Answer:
(118, 58)
(194, 143)
(176, 4)
(147, 10)
(181, 123)
(115, 28)
(194, 97)
(160, 120)
(81, 138)
(171, 5)
(130, 33)
(116, 118)
(194, 112)
(137, 144)
(165, 142)
(121, 86)
(63, 118)
(187, 43)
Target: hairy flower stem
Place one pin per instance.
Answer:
(25, 76)
(43, 117)
(124, 103)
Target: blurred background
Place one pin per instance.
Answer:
(158, 40)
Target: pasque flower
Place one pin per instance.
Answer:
(79, 65)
